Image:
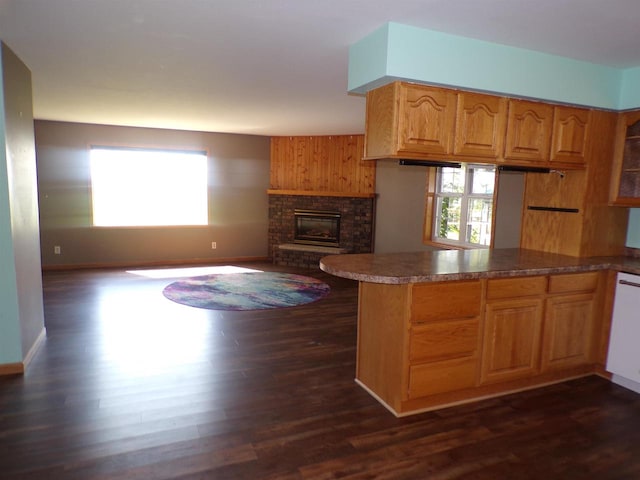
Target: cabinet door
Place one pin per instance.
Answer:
(570, 130)
(625, 185)
(511, 344)
(528, 131)
(568, 331)
(480, 125)
(426, 120)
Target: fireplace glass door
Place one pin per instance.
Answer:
(317, 227)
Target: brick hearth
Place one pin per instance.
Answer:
(356, 226)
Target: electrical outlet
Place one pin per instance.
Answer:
(57, 250)
(214, 245)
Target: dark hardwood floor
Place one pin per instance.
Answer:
(129, 385)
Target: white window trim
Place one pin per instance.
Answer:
(464, 210)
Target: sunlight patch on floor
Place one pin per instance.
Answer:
(191, 271)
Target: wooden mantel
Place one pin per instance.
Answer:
(320, 193)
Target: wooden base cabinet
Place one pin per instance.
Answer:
(512, 328)
(417, 340)
(512, 339)
(568, 332)
(570, 321)
(427, 345)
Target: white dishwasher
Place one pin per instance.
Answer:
(624, 344)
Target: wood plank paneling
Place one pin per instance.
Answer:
(597, 229)
(330, 163)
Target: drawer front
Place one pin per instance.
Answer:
(440, 341)
(441, 377)
(573, 282)
(441, 301)
(516, 287)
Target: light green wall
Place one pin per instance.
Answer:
(629, 91)
(633, 232)
(10, 339)
(11, 345)
(397, 51)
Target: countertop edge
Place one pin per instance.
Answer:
(587, 265)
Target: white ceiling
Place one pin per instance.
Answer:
(266, 67)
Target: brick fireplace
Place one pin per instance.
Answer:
(356, 227)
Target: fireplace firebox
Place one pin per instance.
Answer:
(317, 227)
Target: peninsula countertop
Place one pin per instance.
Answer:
(447, 265)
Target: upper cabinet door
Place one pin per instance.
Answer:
(426, 120)
(480, 125)
(570, 130)
(528, 131)
(625, 182)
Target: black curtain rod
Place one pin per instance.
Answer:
(553, 209)
(429, 163)
(517, 168)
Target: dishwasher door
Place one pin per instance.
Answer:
(624, 343)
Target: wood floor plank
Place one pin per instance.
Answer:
(129, 385)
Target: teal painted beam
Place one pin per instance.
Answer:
(630, 89)
(396, 51)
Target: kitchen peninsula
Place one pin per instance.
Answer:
(450, 326)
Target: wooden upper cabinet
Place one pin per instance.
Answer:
(412, 121)
(570, 130)
(625, 181)
(406, 120)
(480, 125)
(528, 132)
(427, 120)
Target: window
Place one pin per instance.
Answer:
(464, 205)
(136, 187)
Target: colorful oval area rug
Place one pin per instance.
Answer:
(246, 291)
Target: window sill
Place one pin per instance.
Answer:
(451, 246)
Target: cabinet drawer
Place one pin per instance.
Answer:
(573, 282)
(442, 301)
(440, 341)
(440, 377)
(516, 287)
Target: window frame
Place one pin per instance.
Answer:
(430, 233)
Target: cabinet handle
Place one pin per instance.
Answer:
(627, 282)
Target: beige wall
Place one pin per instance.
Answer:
(238, 203)
(509, 210)
(400, 208)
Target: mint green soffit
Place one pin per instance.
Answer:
(401, 52)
